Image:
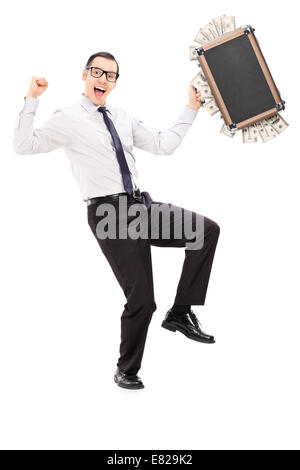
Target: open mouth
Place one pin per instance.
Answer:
(99, 91)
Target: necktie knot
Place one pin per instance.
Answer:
(102, 109)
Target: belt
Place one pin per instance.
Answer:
(135, 196)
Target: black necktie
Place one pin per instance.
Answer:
(119, 150)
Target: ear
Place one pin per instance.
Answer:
(84, 74)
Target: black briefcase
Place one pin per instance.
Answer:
(239, 78)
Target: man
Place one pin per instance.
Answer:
(99, 141)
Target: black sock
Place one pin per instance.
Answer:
(181, 308)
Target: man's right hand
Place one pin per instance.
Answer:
(37, 87)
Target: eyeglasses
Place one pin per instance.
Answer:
(96, 72)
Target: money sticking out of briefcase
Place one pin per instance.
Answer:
(234, 79)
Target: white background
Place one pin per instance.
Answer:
(60, 302)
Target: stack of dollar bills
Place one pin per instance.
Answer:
(266, 129)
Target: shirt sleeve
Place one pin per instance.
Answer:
(50, 136)
(163, 142)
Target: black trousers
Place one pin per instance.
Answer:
(130, 260)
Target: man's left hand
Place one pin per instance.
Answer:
(195, 98)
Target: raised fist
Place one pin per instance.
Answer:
(37, 87)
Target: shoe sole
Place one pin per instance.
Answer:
(176, 328)
(135, 387)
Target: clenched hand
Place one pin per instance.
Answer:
(37, 87)
(195, 98)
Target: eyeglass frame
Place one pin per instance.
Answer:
(103, 71)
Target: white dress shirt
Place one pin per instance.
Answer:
(82, 133)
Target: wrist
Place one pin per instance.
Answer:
(29, 95)
(194, 108)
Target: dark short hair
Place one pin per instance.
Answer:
(107, 55)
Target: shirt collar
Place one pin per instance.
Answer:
(89, 105)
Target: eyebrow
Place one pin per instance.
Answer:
(108, 71)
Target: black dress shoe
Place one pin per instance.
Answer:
(188, 324)
(127, 380)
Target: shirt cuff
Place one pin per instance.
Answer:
(30, 105)
(188, 114)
